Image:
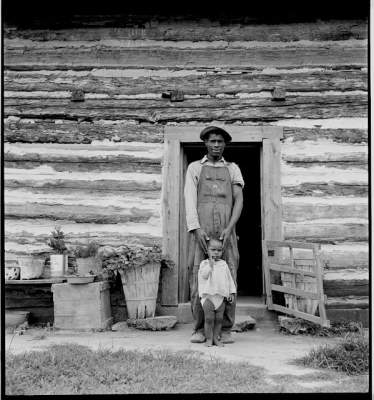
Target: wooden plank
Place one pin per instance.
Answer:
(288, 243)
(321, 189)
(63, 131)
(303, 209)
(79, 213)
(44, 131)
(170, 219)
(346, 287)
(282, 268)
(193, 82)
(298, 314)
(242, 133)
(48, 281)
(271, 190)
(324, 53)
(196, 30)
(319, 272)
(201, 109)
(338, 135)
(266, 274)
(183, 289)
(331, 230)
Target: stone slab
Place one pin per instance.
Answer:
(245, 324)
(159, 323)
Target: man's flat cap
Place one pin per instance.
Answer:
(215, 129)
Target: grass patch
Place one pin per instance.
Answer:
(350, 355)
(76, 369)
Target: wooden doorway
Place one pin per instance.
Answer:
(257, 151)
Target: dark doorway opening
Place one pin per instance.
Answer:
(248, 229)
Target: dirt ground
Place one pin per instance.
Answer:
(264, 346)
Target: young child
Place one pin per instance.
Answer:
(215, 285)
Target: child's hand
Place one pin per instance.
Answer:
(211, 262)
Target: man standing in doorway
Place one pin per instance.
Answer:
(214, 201)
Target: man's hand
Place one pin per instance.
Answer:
(225, 235)
(202, 238)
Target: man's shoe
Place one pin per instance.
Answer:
(226, 337)
(197, 337)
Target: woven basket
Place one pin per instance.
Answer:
(140, 286)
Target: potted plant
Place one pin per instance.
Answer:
(139, 268)
(88, 260)
(58, 260)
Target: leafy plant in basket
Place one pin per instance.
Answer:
(58, 260)
(126, 257)
(87, 259)
(139, 268)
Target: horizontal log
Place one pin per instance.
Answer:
(348, 302)
(80, 196)
(203, 109)
(347, 255)
(336, 135)
(45, 176)
(128, 167)
(326, 189)
(41, 131)
(297, 292)
(323, 151)
(346, 287)
(34, 56)
(79, 214)
(308, 208)
(192, 82)
(292, 175)
(196, 31)
(329, 231)
(146, 153)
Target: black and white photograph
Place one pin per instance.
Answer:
(186, 198)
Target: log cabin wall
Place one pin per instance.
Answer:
(94, 166)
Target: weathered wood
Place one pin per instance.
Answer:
(192, 82)
(296, 292)
(81, 153)
(336, 135)
(78, 213)
(347, 255)
(203, 109)
(346, 287)
(43, 131)
(348, 302)
(37, 55)
(289, 244)
(283, 268)
(271, 190)
(338, 230)
(326, 189)
(183, 281)
(102, 184)
(40, 131)
(296, 313)
(126, 167)
(170, 218)
(29, 232)
(128, 29)
(267, 278)
(307, 208)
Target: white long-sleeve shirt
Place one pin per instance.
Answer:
(215, 283)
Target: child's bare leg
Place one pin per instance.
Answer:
(208, 322)
(218, 325)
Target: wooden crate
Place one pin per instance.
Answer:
(81, 307)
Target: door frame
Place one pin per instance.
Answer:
(174, 282)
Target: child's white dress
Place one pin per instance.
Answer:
(217, 285)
